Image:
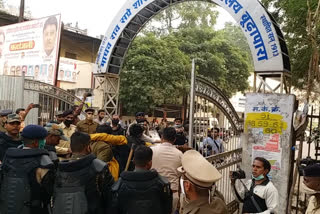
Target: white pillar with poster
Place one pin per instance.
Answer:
(268, 134)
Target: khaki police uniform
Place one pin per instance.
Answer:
(87, 126)
(203, 174)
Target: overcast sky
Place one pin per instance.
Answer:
(94, 15)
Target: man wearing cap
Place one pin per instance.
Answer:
(199, 194)
(55, 134)
(166, 159)
(311, 186)
(11, 136)
(59, 117)
(3, 118)
(63, 148)
(260, 195)
(28, 182)
(88, 125)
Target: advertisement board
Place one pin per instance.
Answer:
(68, 70)
(31, 47)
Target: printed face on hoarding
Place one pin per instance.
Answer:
(36, 72)
(6, 68)
(18, 71)
(74, 76)
(24, 69)
(12, 70)
(49, 35)
(30, 71)
(61, 74)
(2, 40)
(68, 74)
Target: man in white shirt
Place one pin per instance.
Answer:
(260, 195)
(166, 159)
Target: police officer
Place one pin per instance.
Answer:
(59, 116)
(83, 184)
(311, 186)
(199, 194)
(3, 119)
(55, 134)
(11, 137)
(88, 125)
(27, 178)
(142, 191)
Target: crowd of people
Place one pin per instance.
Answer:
(88, 166)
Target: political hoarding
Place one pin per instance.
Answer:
(68, 70)
(31, 47)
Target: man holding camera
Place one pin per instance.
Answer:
(260, 195)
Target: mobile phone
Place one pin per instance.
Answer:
(36, 105)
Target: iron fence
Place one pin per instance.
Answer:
(17, 92)
(226, 162)
(308, 148)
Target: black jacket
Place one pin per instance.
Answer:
(87, 177)
(7, 142)
(119, 131)
(141, 192)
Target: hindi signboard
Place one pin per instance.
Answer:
(31, 47)
(68, 70)
(257, 25)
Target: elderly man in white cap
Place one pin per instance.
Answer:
(199, 194)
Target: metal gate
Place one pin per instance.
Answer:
(17, 92)
(307, 146)
(213, 109)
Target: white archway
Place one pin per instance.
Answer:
(266, 42)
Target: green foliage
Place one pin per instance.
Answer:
(222, 63)
(158, 64)
(292, 17)
(156, 72)
(183, 15)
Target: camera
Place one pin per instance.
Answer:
(239, 174)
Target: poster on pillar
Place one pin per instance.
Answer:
(268, 134)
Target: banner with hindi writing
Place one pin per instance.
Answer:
(31, 48)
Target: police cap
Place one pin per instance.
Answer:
(59, 113)
(67, 112)
(54, 129)
(312, 171)
(140, 114)
(89, 110)
(198, 170)
(34, 132)
(5, 112)
(13, 118)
